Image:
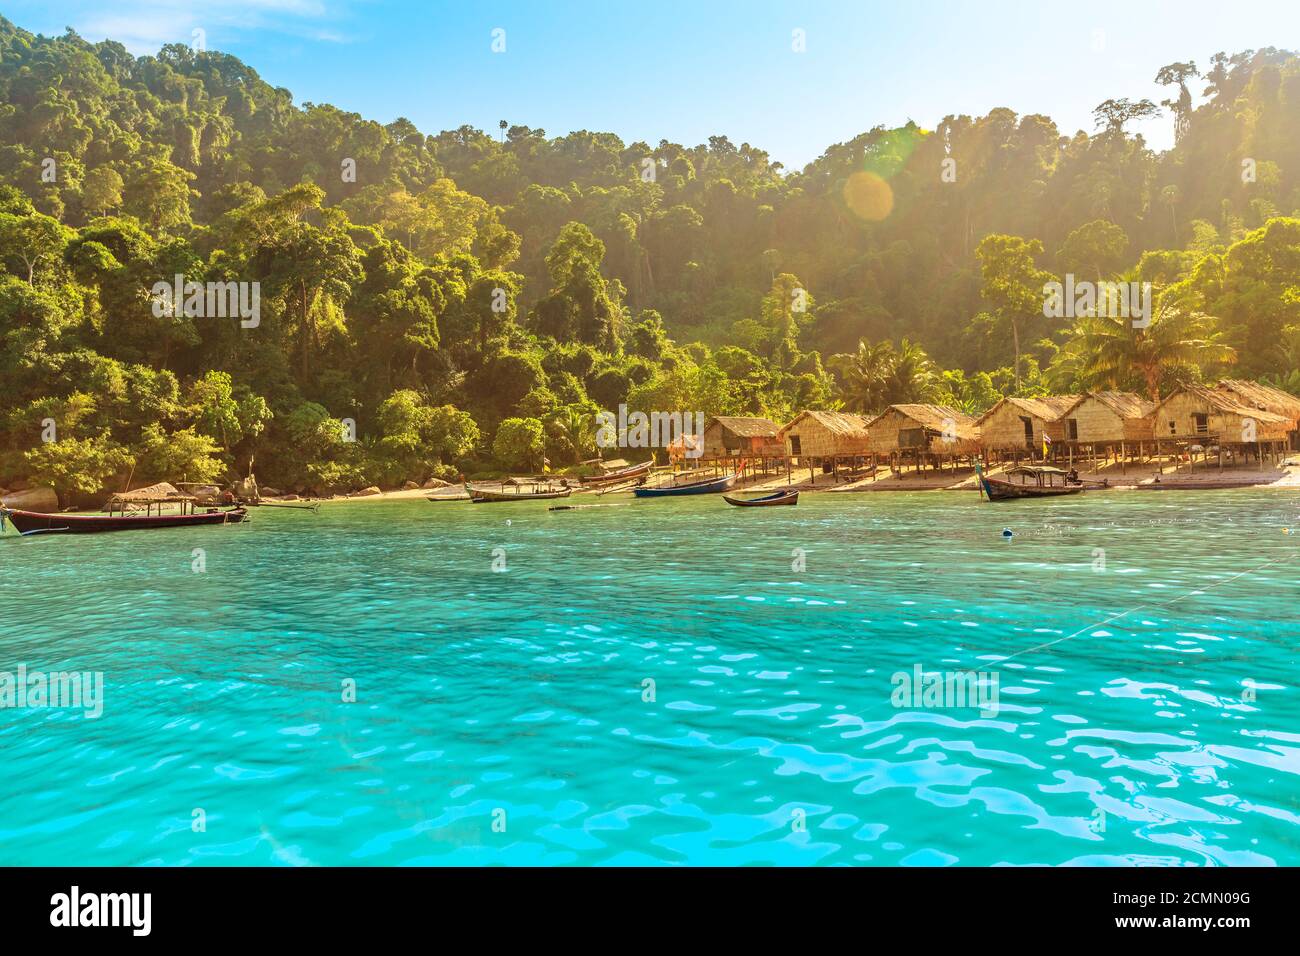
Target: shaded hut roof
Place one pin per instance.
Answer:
(685, 441)
(1123, 404)
(1047, 407)
(936, 418)
(746, 427)
(837, 423)
(152, 493)
(1259, 395)
(1225, 402)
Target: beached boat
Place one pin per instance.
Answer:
(33, 522)
(706, 486)
(784, 497)
(142, 509)
(620, 475)
(518, 489)
(1030, 481)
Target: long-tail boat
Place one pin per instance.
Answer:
(785, 496)
(142, 509)
(519, 489)
(1029, 481)
(620, 475)
(706, 486)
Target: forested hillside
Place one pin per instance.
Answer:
(471, 298)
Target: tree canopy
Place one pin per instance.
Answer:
(440, 302)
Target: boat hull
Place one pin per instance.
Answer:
(482, 496)
(615, 477)
(31, 522)
(999, 490)
(766, 501)
(708, 487)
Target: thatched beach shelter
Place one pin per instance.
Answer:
(731, 437)
(685, 448)
(1197, 418)
(1266, 398)
(731, 442)
(1016, 426)
(826, 439)
(148, 498)
(1105, 418)
(924, 434)
(1100, 425)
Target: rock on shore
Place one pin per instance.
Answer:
(43, 500)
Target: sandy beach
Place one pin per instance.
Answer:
(1183, 477)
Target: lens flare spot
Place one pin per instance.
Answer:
(869, 196)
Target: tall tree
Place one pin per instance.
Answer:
(1012, 285)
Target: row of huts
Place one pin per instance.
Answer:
(1238, 419)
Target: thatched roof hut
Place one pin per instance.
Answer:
(1018, 424)
(1263, 397)
(1106, 418)
(685, 447)
(152, 494)
(1195, 411)
(148, 498)
(727, 437)
(813, 434)
(928, 429)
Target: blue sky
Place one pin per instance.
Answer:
(682, 71)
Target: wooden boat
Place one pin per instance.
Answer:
(784, 497)
(705, 486)
(142, 509)
(1029, 481)
(619, 476)
(519, 489)
(32, 522)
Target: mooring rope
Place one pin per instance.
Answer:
(1142, 607)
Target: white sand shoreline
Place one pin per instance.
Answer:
(1180, 479)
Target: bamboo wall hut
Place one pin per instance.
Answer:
(685, 448)
(1015, 426)
(826, 439)
(1198, 412)
(1100, 426)
(1203, 415)
(728, 437)
(1103, 419)
(924, 434)
(1266, 398)
(731, 443)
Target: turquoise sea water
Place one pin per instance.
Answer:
(1170, 735)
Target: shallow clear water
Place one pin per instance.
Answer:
(517, 697)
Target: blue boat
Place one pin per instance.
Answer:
(706, 487)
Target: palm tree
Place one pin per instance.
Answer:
(578, 424)
(880, 374)
(1179, 341)
(864, 375)
(913, 377)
